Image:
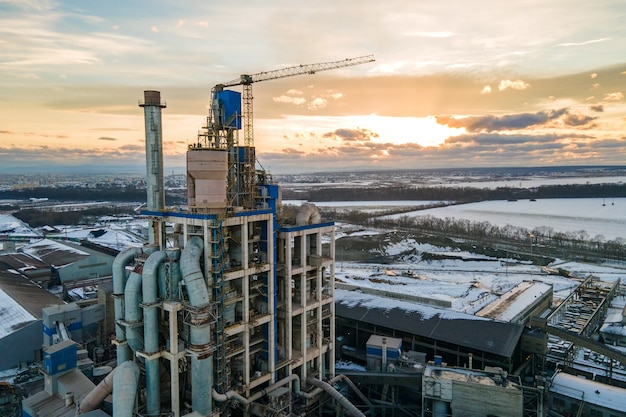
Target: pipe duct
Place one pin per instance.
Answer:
(125, 382)
(119, 282)
(132, 312)
(200, 332)
(308, 214)
(96, 395)
(336, 395)
(151, 331)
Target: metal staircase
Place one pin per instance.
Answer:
(216, 241)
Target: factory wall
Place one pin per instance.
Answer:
(28, 341)
(494, 400)
(96, 265)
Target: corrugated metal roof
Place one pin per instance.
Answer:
(28, 295)
(55, 253)
(473, 332)
(25, 264)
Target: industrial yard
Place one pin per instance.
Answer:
(238, 304)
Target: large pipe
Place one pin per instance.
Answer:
(356, 390)
(175, 275)
(125, 382)
(119, 282)
(321, 386)
(336, 395)
(151, 330)
(200, 333)
(132, 312)
(233, 395)
(96, 395)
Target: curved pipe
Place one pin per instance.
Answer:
(96, 395)
(200, 334)
(132, 312)
(336, 395)
(356, 390)
(308, 214)
(151, 331)
(233, 395)
(321, 386)
(125, 381)
(119, 282)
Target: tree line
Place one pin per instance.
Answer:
(458, 194)
(540, 241)
(127, 193)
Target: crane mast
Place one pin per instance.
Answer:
(221, 128)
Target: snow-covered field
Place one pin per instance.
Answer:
(594, 216)
(466, 283)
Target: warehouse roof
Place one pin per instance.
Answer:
(490, 336)
(57, 254)
(21, 302)
(23, 263)
(592, 392)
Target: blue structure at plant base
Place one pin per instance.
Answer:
(60, 357)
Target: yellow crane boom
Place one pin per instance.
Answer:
(247, 79)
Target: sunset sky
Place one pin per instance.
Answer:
(455, 83)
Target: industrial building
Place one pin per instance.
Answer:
(21, 305)
(577, 396)
(230, 308)
(433, 330)
(470, 393)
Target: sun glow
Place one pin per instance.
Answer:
(312, 132)
(423, 131)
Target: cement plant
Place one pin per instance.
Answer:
(230, 306)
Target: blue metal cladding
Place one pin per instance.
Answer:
(49, 330)
(77, 325)
(377, 351)
(60, 360)
(230, 103)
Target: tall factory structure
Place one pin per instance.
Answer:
(228, 310)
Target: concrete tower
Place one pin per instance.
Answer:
(152, 106)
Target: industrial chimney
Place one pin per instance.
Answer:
(152, 106)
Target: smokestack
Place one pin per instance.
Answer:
(152, 106)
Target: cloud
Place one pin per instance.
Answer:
(614, 97)
(154, 29)
(298, 101)
(594, 75)
(598, 108)
(508, 122)
(317, 103)
(577, 119)
(514, 85)
(486, 90)
(482, 149)
(352, 135)
(568, 44)
(106, 138)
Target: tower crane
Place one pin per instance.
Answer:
(247, 79)
(225, 120)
